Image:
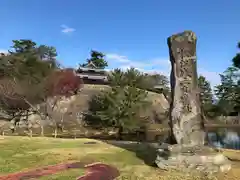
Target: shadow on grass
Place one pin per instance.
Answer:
(144, 151)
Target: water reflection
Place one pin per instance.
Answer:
(224, 138)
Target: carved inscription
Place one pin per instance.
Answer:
(185, 86)
(185, 109)
(186, 104)
(191, 126)
(185, 72)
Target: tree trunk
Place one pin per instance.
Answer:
(120, 131)
(55, 133)
(42, 130)
(75, 134)
(171, 138)
(238, 118)
(62, 119)
(30, 133)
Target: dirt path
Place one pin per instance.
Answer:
(96, 171)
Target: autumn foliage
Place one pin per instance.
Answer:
(63, 82)
(16, 94)
(30, 74)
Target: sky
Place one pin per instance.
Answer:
(130, 32)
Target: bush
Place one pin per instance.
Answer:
(118, 108)
(63, 82)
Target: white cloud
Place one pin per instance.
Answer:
(118, 58)
(156, 65)
(66, 29)
(212, 77)
(124, 62)
(3, 51)
(162, 62)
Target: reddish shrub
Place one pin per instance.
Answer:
(63, 82)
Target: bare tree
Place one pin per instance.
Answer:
(21, 98)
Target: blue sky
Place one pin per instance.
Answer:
(129, 32)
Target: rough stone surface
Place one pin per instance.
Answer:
(190, 158)
(189, 154)
(186, 119)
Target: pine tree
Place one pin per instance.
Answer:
(206, 95)
(228, 91)
(236, 59)
(98, 59)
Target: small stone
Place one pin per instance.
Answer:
(204, 158)
(160, 150)
(219, 159)
(164, 146)
(212, 169)
(225, 167)
(192, 166)
(201, 168)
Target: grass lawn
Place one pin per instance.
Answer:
(23, 153)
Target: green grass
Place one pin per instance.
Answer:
(23, 153)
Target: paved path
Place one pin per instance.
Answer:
(95, 171)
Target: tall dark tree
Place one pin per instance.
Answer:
(236, 59)
(236, 63)
(23, 46)
(119, 108)
(98, 59)
(26, 59)
(22, 74)
(47, 52)
(228, 91)
(206, 95)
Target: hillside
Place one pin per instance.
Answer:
(159, 102)
(79, 103)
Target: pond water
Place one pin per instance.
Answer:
(224, 138)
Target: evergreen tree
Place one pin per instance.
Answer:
(236, 59)
(97, 58)
(23, 75)
(206, 95)
(228, 91)
(119, 108)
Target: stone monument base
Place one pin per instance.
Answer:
(191, 158)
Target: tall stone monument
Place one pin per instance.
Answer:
(185, 117)
(185, 114)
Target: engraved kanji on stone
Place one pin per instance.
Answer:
(185, 86)
(185, 103)
(186, 72)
